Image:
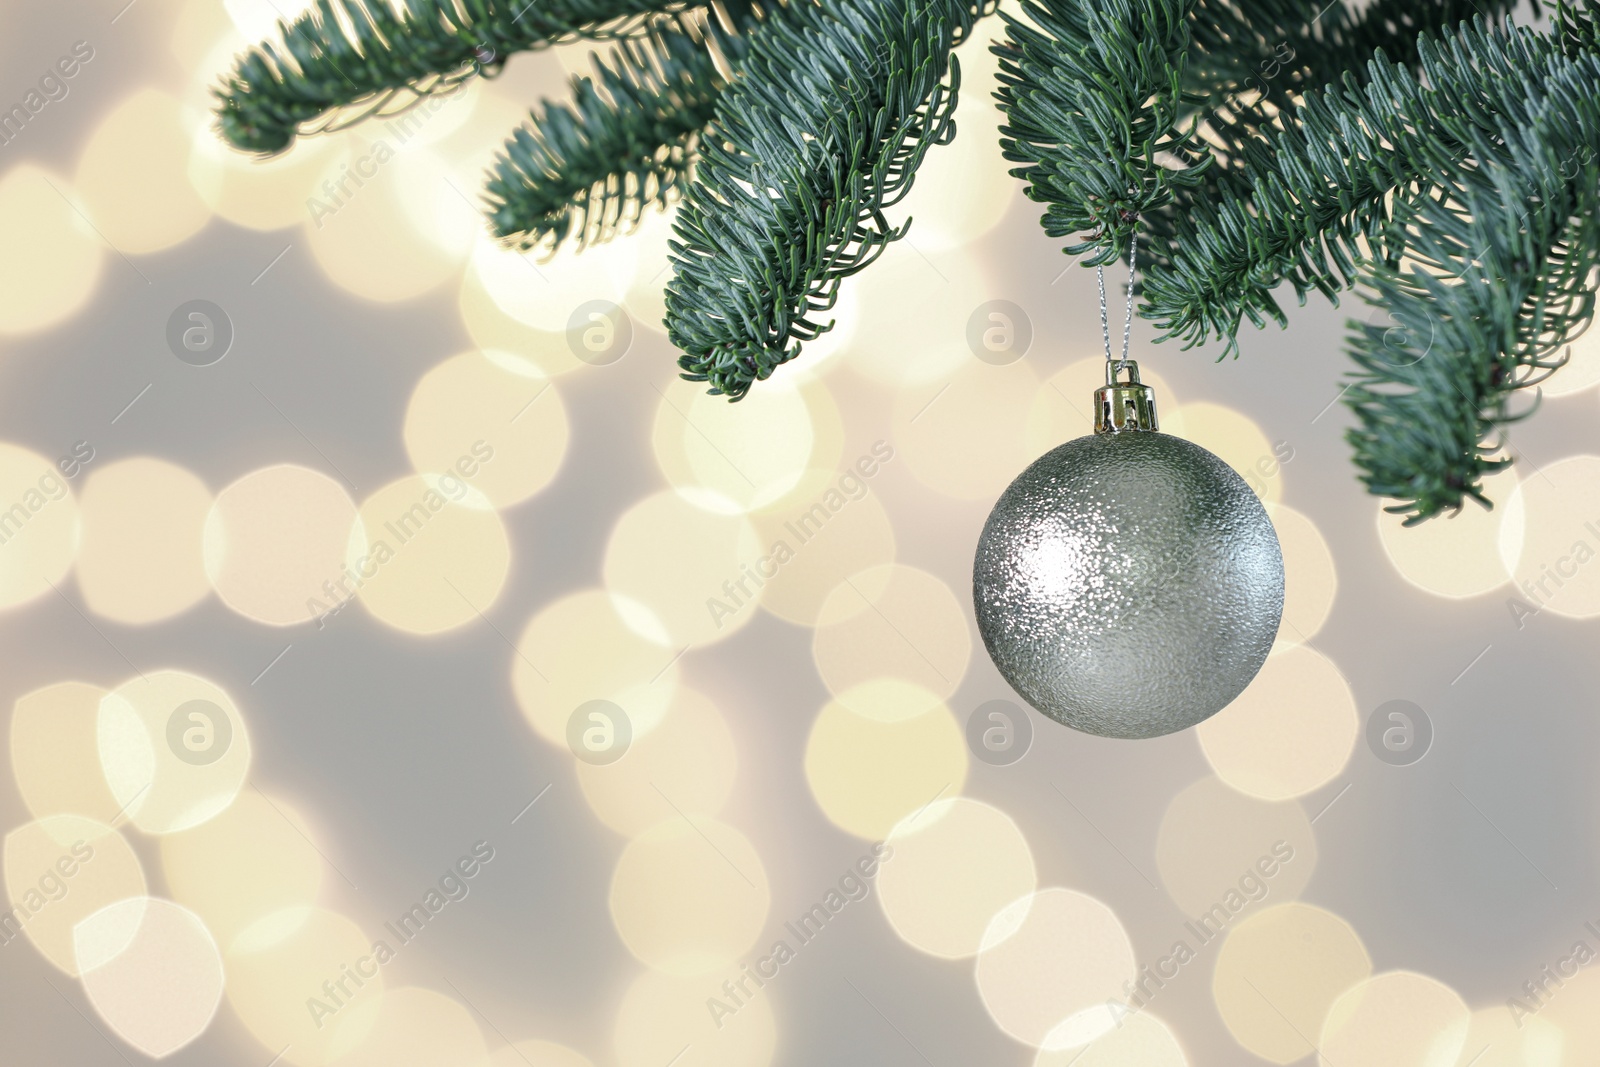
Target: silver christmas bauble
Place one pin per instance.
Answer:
(1128, 584)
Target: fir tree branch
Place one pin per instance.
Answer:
(1325, 183)
(1252, 61)
(626, 140)
(1092, 98)
(361, 56)
(1464, 196)
(1500, 258)
(1451, 175)
(1578, 30)
(835, 106)
(1239, 64)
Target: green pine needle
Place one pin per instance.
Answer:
(624, 143)
(1461, 197)
(835, 106)
(1450, 173)
(363, 55)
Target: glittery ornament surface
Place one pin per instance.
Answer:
(1129, 584)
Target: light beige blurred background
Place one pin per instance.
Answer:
(405, 668)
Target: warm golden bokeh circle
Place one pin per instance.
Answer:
(1236, 439)
(1139, 1040)
(275, 545)
(1291, 731)
(270, 986)
(152, 972)
(1278, 974)
(142, 553)
(892, 621)
(429, 555)
(1551, 561)
(133, 174)
(416, 1027)
(60, 870)
(1575, 1010)
(254, 862)
(579, 648)
(954, 867)
(913, 308)
(174, 749)
(1051, 964)
(55, 752)
(734, 458)
(663, 1019)
(1392, 1019)
(689, 896)
(1458, 554)
(688, 757)
(1310, 580)
(965, 188)
(430, 182)
(834, 527)
(537, 1054)
(1494, 1037)
(545, 292)
(488, 420)
(357, 227)
(963, 437)
(867, 774)
(50, 257)
(686, 576)
(38, 516)
(492, 329)
(645, 299)
(258, 19)
(1217, 847)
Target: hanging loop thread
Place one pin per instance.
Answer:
(1121, 406)
(1127, 321)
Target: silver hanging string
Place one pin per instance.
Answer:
(1127, 323)
(1105, 325)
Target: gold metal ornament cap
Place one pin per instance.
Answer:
(1120, 407)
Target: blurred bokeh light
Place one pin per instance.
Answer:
(868, 773)
(275, 544)
(1278, 974)
(253, 867)
(174, 749)
(956, 865)
(152, 972)
(1291, 731)
(142, 553)
(38, 521)
(60, 870)
(1052, 965)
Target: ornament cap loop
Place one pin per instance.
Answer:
(1123, 406)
